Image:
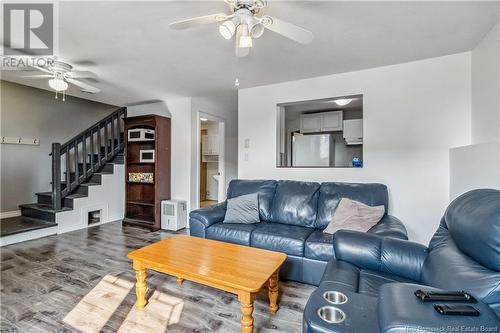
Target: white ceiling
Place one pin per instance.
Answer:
(138, 58)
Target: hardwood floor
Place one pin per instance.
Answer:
(207, 203)
(44, 279)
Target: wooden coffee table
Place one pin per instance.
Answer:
(237, 269)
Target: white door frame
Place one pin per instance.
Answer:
(221, 195)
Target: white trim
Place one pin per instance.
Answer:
(222, 158)
(12, 213)
(27, 236)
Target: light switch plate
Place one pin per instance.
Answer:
(246, 143)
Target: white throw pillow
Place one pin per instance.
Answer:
(243, 209)
(354, 215)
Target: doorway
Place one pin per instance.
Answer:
(211, 160)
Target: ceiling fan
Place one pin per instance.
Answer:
(245, 23)
(60, 74)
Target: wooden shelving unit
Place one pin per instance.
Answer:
(143, 200)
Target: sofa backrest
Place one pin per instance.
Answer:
(330, 195)
(307, 204)
(295, 203)
(464, 253)
(265, 188)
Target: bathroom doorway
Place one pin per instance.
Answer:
(211, 160)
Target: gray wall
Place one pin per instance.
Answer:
(35, 113)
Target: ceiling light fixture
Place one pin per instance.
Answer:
(245, 39)
(255, 27)
(59, 85)
(227, 29)
(343, 101)
(203, 119)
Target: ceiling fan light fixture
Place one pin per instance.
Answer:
(58, 84)
(245, 40)
(343, 101)
(255, 27)
(227, 29)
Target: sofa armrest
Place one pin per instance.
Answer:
(399, 311)
(374, 252)
(390, 226)
(201, 219)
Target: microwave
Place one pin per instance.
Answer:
(147, 156)
(141, 134)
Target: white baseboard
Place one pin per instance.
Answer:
(12, 213)
(27, 236)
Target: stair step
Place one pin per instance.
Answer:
(19, 224)
(41, 211)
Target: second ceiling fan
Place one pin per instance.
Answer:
(246, 24)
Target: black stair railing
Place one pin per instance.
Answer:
(76, 160)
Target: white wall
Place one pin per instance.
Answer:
(474, 166)
(413, 113)
(486, 88)
(478, 165)
(223, 107)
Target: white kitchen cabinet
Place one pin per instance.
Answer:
(321, 122)
(210, 144)
(332, 121)
(353, 131)
(310, 123)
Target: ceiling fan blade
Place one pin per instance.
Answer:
(43, 69)
(240, 51)
(82, 75)
(85, 87)
(288, 30)
(39, 76)
(208, 19)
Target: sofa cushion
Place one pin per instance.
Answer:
(354, 215)
(236, 233)
(285, 238)
(295, 203)
(243, 209)
(265, 188)
(330, 195)
(319, 246)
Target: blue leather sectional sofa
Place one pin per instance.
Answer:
(293, 215)
(379, 275)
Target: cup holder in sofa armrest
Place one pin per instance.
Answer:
(335, 297)
(331, 314)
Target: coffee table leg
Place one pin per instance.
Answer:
(140, 285)
(273, 292)
(179, 280)
(246, 300)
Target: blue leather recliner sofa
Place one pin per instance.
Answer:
(379, 275)
(293, 215)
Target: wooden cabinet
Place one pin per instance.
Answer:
(147, 183)
(321, 122)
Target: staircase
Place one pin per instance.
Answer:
(77, 165)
